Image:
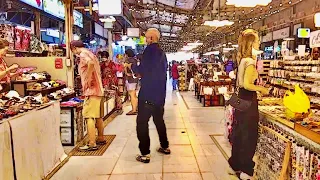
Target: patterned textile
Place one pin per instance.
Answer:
(110, 81)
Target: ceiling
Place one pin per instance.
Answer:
(181, 21)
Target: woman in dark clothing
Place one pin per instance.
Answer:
(131, 81)
(245, 126)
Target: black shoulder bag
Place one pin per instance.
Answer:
(235, 101)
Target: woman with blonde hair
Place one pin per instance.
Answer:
(245, 126)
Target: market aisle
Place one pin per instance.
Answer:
(194, 155)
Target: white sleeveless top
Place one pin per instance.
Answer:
(245, 62)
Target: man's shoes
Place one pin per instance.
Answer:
(143, 158)
(88, 148)
(244, 176)
(164, 150)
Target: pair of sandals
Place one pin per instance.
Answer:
(132, 113)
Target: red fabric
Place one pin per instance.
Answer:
(175, 72)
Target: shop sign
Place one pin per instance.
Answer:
(133, 32)
(35, 3)
(317, 19)
(315, 39)
(267, 37)
(110, 7)
(78, 18)
(98, 29)
(58, 63)
(53, 33)
(54, 7)
(281, 34)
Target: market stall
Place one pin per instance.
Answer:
(33, 138)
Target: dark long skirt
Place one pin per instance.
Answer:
(245, 135)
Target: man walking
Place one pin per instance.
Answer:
(175, 75)
(90, 73)
(151, 100)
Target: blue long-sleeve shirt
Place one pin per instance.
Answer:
(153, 71)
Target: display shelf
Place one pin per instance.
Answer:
(45, 91)
(296, 127)
(278, 119)
(16, 85)
(310, 134)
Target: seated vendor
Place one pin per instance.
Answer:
(5, 71)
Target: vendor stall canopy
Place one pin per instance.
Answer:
(183, 21)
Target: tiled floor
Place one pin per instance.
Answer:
(194, 155)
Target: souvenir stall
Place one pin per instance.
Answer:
(211, 84)
(289, 142)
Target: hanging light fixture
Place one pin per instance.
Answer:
(248, 3)
(317, 19)
(218, 23)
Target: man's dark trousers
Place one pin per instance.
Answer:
(145, 111)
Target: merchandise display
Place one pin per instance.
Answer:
(183, 86)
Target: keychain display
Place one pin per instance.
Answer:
(304, 160)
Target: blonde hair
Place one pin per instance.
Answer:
(246, 40)
(155, 33)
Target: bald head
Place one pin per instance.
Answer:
(152, 36)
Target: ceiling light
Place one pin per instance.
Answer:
(247, 3)
(216, 23)
(288, 39)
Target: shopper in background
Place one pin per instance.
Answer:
(131, 81)
(315, 54)
(153, 69)
(5, 71)
(89, 70)
(229, 65)
(109, 77)
(245, 130)
(175, 75)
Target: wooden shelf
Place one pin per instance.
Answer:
(312, 135)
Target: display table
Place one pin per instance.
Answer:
(211, 97)
(36, 144)
(286, 150)
(6, 168)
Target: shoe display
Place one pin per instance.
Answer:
(164, 151)
(143, 158)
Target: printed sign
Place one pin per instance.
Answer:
(58, 63)
(267, 37)
(54, 7)
(35, 3)
(281, 34)
(315, 39)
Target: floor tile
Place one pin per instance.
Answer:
(182, 176)
(131, 166)
(194, 155)
(180, 164)
(136, 177)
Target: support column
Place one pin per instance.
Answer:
(69, 37)
(110, 43)
(37, 26)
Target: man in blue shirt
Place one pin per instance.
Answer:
(152, 95)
